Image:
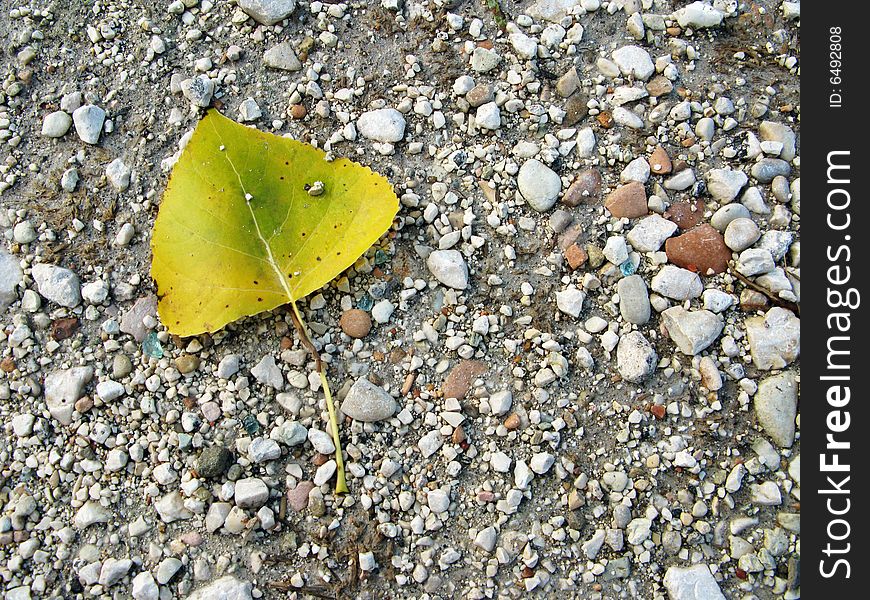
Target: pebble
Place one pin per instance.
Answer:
(637, 170)
(114, 570)
(774, 339)
(355, 323)
(725, 184)
(500, 402)
(488, 116)
(268, 12)
(167, 569)
(56, 124)
(88, 120)
(133, 320)
(660, 162)
(325, 472)
(118, 174)
(144, 587)
(459, 380)
(741, 233)
(723, 217)
(109, 390)
(91, 513)
(692, 331)
(24, 233)
(616, 250)
(214, 462)
(486, 539)
(297, 498)
(368, 402)
(635, 357)
(650, 233)
(448, 267)
(63, 389)
(11, 275)
(263, 450)
(69, 180)
(585, 187)
(766, 169)
(765, 494)
(283, 57)
(57, 284)
(681, 180)
(677, 283)
(227, 587)
(198, 90)
(171, 508)
(541, 462)
(268, 373)
(634, 61)
(382, 311)
(382, 125)
(775, 404)
(701, 249)
(484, 60)
(251, 492)
(755, 261)
(229, 366)
(627, 201)
(778, 132)
(570, 301)
(692, 583)
(438, 501)
(634, 305)
(539, 185)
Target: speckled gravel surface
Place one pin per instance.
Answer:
(571, 368)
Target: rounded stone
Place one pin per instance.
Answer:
(356, 323)
(539, 185)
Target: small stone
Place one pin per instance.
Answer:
(88, 121)
(355, 323)
(114, 570)
(144, 587)
(634, 305)
(765, 494)
(637, 170)
(635, 357)
(686, 214)
(133, 321)
(109, 390)
(777, 132)
(118, 174)
(774, 340)
(723, 217)
(171, 508)
(570, 301)
(225, 588)
(660, 162)
(650, 233)
(616, 250)
(488, 116)
(438, 501)
(367, 562)
(767, 169)
(681, 180)
(167, 569)
(91, 513)
(692, 583)
(382, 125)
(539, 185)
(585, 187)
(368, 402)
(251, 492)
(267, 12)
(541, 462)
(321, 441)
(775, 404)
(500, 402)
(741, 233)
(576, 110)
(263, 450)
(486, 539)
(677, 283)
(63, 389)
(459, 380)
(187, 363)
(56, 124)
(484, 59)
(382, 311)
(725, 184)
(11, 275)
(576, 256)
(229, 366)
(198, 90)
(249, 110)
(628, 201)
(448, 267)
(297, 498)
(692, 331)
(755, 261)
(268, 373)
(325, 472)
(283, 57)
(214, 462)
(57, 284)
(479, 95)
(701, 249)
(634, 61)
(659, 86)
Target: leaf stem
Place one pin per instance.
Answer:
(299, 323)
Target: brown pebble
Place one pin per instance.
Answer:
(659, 86)
(659, 161)
(701, 249)
(319, 459)
(605, 119)
(686, 214)
(586, 187)
(356, 323)
(458, 435)
(658, 410)
(7, 365)
(84, 404)
(575, 110)
(576, 256)
(62, 329)
(460, 378)
(569, 236)
(512, 422)
(187, 363)
(751, 300)
(297, 498)
(627, 201)
(298, 111)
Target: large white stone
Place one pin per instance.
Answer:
(268, 12)
(225, 588)
(382, 125)
(368, 402)
(692, 583)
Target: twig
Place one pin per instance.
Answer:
(340, 481)
(776, 300)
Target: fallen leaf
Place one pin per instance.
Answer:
(238, 233)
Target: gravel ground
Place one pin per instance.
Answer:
(570, 369)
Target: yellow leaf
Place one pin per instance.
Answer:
(239, 233)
